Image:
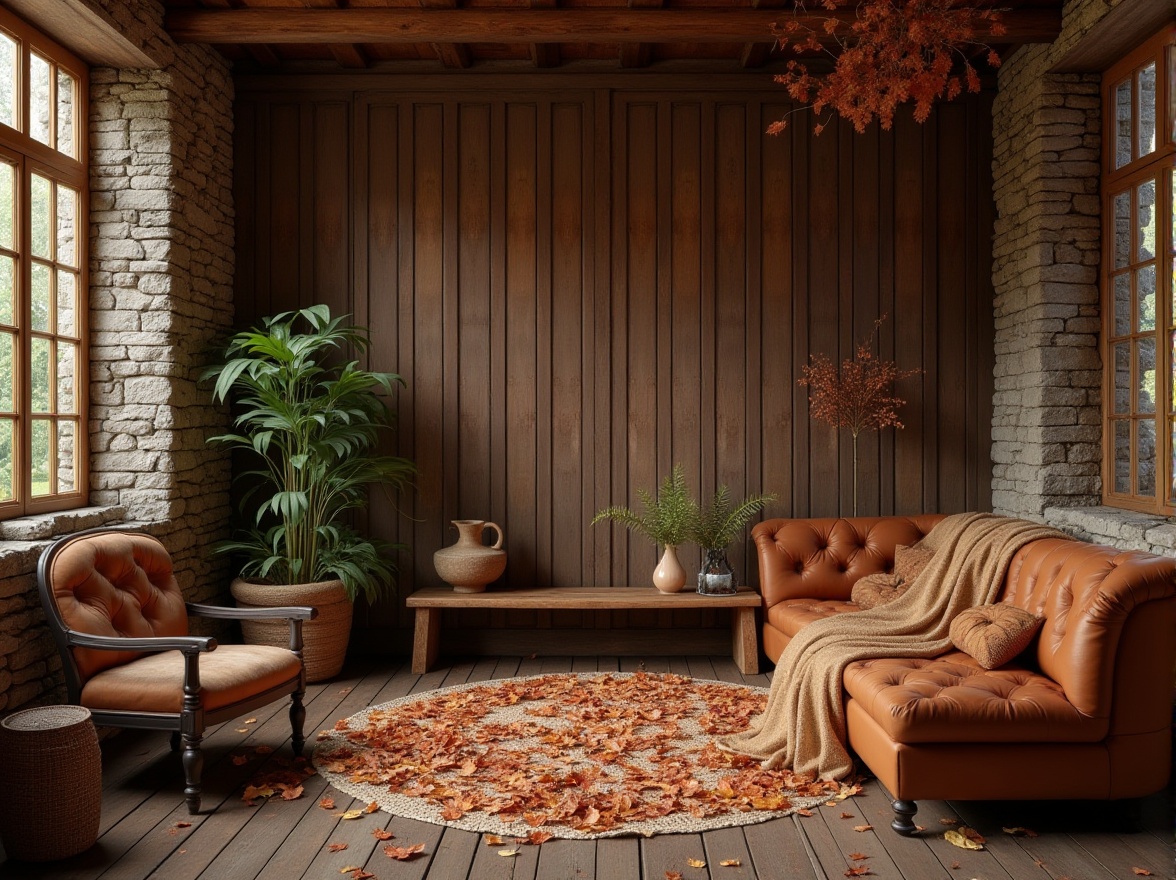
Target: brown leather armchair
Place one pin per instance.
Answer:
(1084, 712)
(121, 624)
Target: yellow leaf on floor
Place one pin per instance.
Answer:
(696, 863)
(352, 814)
(956, 839)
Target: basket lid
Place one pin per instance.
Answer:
(46, 718)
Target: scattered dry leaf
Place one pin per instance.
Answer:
(951, 822)
(863, 827)
(403, 853)
(238, 760)
(804, 812)
(349, 869)
(535, 838)
(955, 866)
(1141, 872)
(182, 824)
(507, 853)
(847, 816)
(972, 834)
(336, 847)
(352, 814)
(361, 874)
(1018, 831)
(292, 793)
(673, 875)
(730, 863)
(696, 863)
(327, 803)
(381, 834)
(250, 720)
(371, 808)
(493, 840)
(263, 749)
(857, 857)
(955, 838)
(858, 871)
(242, 730)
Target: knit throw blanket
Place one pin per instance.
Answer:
(803, 726)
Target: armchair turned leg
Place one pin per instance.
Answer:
(297, 719)
(193, 761)
(904, 814)
(175, 741)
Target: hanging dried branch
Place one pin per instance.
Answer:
(894, 52)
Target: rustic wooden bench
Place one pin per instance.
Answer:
(430, 601)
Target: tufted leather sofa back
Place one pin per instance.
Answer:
(822, 558)
(116, 584)
(1086, 593)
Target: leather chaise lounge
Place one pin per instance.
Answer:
(1093, 689)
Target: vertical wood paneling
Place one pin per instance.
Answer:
(583, 288)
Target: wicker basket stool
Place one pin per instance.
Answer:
(51, 773)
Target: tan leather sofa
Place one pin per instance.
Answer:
(1084, 712)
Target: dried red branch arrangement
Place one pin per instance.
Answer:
(891, 53)
(859, 396)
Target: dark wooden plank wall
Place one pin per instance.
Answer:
(582, 286)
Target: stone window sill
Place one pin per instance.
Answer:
(21, 539)
(1124, 529)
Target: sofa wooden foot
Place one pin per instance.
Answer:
(904, 814)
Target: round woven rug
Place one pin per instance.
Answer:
(574, 756)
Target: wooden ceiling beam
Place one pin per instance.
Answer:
(514, 26)
(638, 54)
(451, 54)
(346, 54)
(756, 54)
(544, 54)
(259, 52)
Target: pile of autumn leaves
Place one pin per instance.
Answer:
(591, 754)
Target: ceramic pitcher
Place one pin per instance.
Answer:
(469, 564)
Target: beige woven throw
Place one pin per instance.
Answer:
(803, 726)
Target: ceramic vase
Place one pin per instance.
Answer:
(669, 576)
(469, 565)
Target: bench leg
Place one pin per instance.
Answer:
(425, 639)
(745, 641)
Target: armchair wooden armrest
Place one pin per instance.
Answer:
(186, 644)
(286, 612)
(293, 613)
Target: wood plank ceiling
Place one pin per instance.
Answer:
(356, 34)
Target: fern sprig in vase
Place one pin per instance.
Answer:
(668, 520)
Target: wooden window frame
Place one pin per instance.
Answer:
(1159, 165)
(33, 157)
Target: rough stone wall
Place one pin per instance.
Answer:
(161, 267)
(1046, 428)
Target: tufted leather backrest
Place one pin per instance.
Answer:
(823, 558)
(115, 584)
(1086, 593)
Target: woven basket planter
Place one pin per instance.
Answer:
(324, 638)
(52, 774)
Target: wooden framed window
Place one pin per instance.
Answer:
(44, 451)
(1139, 278)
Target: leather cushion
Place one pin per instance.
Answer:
(952, 698)
(993, 635)
(116, 584)
(789, 616)
(155, 683)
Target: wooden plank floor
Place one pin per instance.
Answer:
(142, 835)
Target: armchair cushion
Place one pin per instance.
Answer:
(155, 683)
(116, 584)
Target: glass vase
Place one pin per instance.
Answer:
(716, 577)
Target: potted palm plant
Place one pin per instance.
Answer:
(667, 520)
(310, 423)
(717, 525)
